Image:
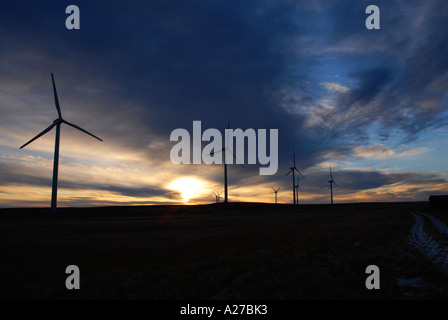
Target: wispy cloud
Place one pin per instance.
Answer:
(334, 86)
(381, 151)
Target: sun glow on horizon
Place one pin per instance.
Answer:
(188, 187)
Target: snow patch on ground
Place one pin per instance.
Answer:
(414, 288)
(441, 227)
(411, 282)
(434, 247)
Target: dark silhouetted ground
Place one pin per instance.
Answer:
(234, 251)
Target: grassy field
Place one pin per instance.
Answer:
(234, 251)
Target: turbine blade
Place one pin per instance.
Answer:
(299, 173)
(227, 134)
(56, 100)
(288, 172)
(213, 152)
(39, 135)
(81, 129)
(294, 157)
(335, 183)
(331, 175)
(238, 161)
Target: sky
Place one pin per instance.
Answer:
(372, 104)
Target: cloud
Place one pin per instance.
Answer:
(381, 151)
(417, 184)
(401, 86)
(333, 86)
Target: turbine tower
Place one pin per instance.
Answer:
(292, 169)
(331, 181)
(218, 196)
(224, 150)
(275, 192)
(57, 123)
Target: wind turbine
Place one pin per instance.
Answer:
(331, 181)
(275, 192)
(224, 150)
(292, 169)
(218, 196)
(57, 123)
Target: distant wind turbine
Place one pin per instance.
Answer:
(275, 192)
(331, 181)
(218, 196)
(57, 123)
(224, 150)
(298, 188)
(292, 169)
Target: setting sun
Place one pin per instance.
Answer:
(188, 187)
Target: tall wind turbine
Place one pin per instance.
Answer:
(224, 150)
(275, 192)
(218, 196)
(57, 123)
(292, 169)
(331, 181)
